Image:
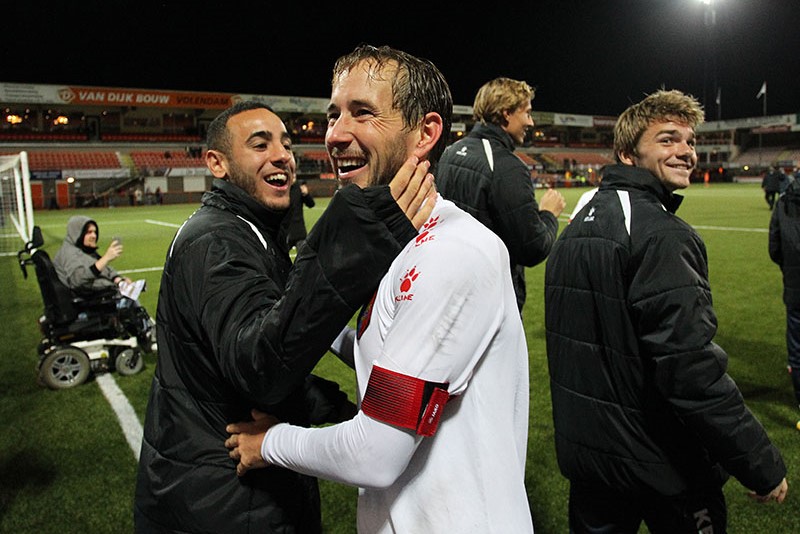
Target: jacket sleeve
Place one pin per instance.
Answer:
(269, 338)
(676, 324)
(528, 232)
(775, 252)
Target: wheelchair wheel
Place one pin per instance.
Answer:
(65, 367)
(129, 362)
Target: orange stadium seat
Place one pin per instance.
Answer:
(582, 158)
(155, 159)
(72, 160)
(319, 155)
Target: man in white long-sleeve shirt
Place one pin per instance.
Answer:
(439, 442)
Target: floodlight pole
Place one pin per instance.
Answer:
(762, 126)
(710, 21)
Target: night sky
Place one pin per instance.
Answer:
(587, 57)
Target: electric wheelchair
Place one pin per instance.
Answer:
(83, 336)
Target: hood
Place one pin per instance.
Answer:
(76, 229)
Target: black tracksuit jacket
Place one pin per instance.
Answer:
(641, 397)
(239, 327)
(501, 198)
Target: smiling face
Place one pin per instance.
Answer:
(366, 138)
(259, 158)
(90, 237)
(667, 150)
(518, 122)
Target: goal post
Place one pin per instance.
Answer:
(16, 205)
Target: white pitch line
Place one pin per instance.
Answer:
(162, 223)
(128, 419)
(732, 229)
(703, 227)
(142, 270)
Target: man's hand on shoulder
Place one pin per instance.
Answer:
(411, 187)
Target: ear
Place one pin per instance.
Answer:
(625, 158)
(216, 163)
(430, 132)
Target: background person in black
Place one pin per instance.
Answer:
(482, 175)
(300, 196)
(771, 184)
(784, 250)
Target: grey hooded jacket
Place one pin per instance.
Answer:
(75, 266)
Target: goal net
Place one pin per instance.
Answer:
(16, 207)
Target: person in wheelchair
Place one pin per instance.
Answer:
(88, 274)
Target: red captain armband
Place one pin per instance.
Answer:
(405, 401)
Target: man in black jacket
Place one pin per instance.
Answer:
(482, 175)
(784, 249)
(648, 424)
(773, 184)
(242, 327)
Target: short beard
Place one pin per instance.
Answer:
(248, 184)
(396, 156)
(238, 178)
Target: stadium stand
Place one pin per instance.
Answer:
(588, 159)
(165, 159)
(47, 160)
(150, 138)
(23, 137)
(781, 156)
(102, 143)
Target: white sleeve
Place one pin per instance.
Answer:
(453, 311)
(360, 452)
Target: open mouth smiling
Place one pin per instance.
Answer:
(347, 165)
(277, 180)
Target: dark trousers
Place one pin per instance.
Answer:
(793, 348)
(793, 336)
(608, 511)
(769, 196)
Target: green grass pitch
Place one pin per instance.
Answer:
(65, 465)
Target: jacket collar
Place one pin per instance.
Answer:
(630, 177)
(229, 197)
(492, 131)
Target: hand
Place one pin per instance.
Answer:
(412, 187)
(245, 441)
(778, 494)
(553, 201)
(114, 251)
(303, 189)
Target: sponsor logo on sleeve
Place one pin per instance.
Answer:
(426, 232)
(406, 282)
